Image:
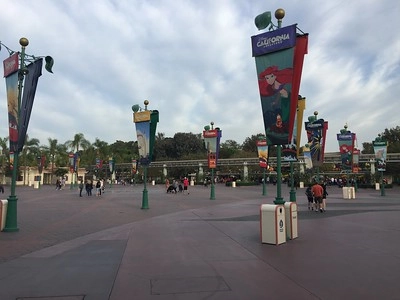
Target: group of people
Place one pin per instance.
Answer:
(177, 186)
(316, 196)
(89, 187)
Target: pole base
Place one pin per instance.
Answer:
(292, 196)
(212, 193)
(264, 191)
(11, 217)
(145, 200)
(279, 201)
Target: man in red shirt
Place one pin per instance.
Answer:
(185, 185)
(318, 192)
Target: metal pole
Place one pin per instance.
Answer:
(212, 192)
(292, 190)
(145, 198)
(383, 185)
(279, 199)
(11, 219)
(264, 191)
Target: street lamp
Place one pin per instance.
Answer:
(212, 141)
(146, 123)
(21, 83)
(380, 149)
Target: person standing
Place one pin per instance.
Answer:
(318, 192)
(185, 185)
(98, 186)
(80, 188)
(324, 194)
(310, 198)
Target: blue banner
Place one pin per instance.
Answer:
(272, 41)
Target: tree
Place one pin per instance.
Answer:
(4, 156)
(78, 141)
(229, 149)
(30, 152)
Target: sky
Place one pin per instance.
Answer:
(192, 61)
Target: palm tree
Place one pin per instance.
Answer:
(31, 148)
(4, 156)
(78, 141)
(52, 151)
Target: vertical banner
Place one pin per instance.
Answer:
(262, 149)
(356, 160)
(346, 141)
(76, 161)
(143, 139)
(111, 164)
(212, 139)
(307, 157)
(316, 136)
(146, 124)
(10, 73)
(71, 162)
(380, 149)
(279, 56)
(30, 85)
(134, 166)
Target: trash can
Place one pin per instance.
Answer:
(233, 183)
(272, 224)
(349, 192)
(3, 213)
(291, 220)
(191, 182)
(36, 185)
(153, 182)
(377, 187)
(301, 184)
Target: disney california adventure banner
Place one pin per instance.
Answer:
(279, 56)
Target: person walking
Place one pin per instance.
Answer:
(318, 192)
(80, 188)
(98, 186)
(310, 197)
(185, 185)
(324, 194)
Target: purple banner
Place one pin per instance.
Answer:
(274, 40)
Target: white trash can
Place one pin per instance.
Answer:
(3, 213)
(291, 220)
(272, 224)
(233, 183)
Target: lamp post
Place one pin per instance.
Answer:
(380, 149)
(212, 140)
(20, 102)
(146, 123)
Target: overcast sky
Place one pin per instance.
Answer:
(192, 60)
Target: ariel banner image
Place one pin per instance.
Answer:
(279, 56)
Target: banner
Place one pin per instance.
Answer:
(134, 166)
(307, 158)
(279, 59)
(346, 146)
(356, 160)
(12, 102)
(262, 149)
(143, 139)
(30, 84)
(316, 136)
(212, 139)
(380, 149)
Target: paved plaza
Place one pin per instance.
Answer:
(190, 247)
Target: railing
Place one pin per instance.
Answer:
(331, 157)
